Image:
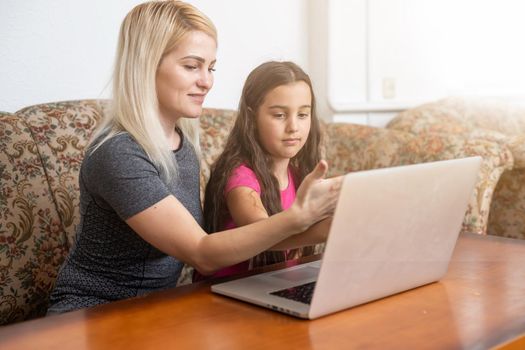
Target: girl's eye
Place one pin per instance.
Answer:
(304, 115)
(211, 69)
(188, 67)
(279, 115)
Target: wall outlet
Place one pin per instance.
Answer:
(389, 88)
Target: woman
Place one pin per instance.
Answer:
(140, 210)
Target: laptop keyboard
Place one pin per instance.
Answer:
(302, 293)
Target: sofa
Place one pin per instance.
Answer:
(492, 119)
(42, 146)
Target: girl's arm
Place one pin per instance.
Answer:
(245, 207)
(168, 226)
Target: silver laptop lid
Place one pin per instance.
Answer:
(394, 229)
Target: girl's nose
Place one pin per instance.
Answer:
(292, 125)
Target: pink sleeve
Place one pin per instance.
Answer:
(242, 176)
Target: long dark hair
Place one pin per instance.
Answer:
(243, 146)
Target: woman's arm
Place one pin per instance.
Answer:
(168, 226)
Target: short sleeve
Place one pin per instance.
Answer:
(242, 176)
(120, 176)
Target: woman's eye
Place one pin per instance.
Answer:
(304, 115)
(279, 115)
(211, 69)
(188, 67)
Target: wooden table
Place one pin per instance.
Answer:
(480, 303)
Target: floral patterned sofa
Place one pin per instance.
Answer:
(492, 119)
(41, 149)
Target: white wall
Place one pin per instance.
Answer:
(56, 50)
(387, 55)
(441, 47)
(367, 58)
(251, 32)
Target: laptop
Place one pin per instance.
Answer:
(393, 229)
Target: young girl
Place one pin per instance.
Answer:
(274, 144)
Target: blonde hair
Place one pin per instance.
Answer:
(149, 32)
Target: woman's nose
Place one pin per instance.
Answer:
(205, 80)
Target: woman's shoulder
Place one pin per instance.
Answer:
(120, 141)
(118, 145)
(120, 151)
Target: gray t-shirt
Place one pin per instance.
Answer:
(109, 261)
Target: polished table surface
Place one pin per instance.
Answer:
(480, 303)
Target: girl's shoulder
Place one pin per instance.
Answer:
(243, 176)
(243, 169)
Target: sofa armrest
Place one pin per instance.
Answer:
(350, 147)
(32, 241)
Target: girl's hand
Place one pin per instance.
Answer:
(316, 197)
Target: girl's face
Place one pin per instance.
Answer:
(185, 75)
(283, 120)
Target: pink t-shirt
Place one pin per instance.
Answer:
(245, 177)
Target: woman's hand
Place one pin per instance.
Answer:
(316, 197)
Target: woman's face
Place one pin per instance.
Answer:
(185, 75)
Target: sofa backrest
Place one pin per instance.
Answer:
(215, 126)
